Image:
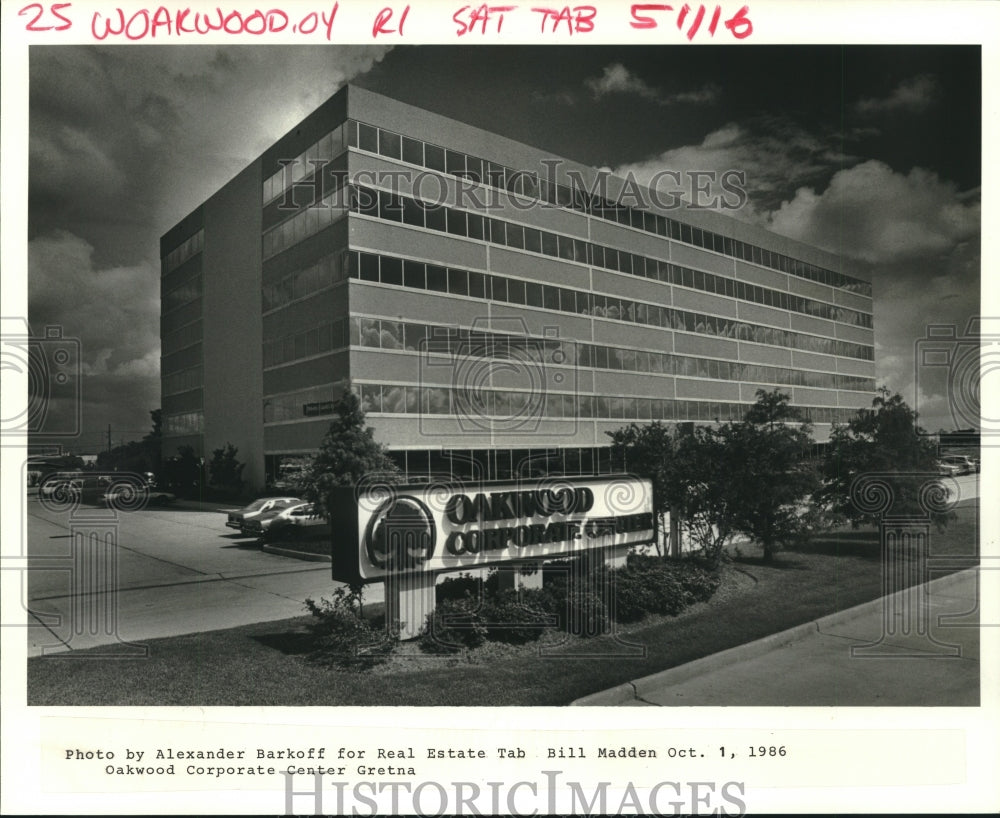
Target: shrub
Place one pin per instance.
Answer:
(463, 586)
(343, 637)
(699, 582)
(578, 605)
(516, 618)
(650, 584)
(454, 624)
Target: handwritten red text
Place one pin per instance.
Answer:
(739, 24)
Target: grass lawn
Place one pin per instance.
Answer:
(264, 664)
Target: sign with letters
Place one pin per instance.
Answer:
(407, 529)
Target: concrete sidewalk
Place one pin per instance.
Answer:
(918, 647)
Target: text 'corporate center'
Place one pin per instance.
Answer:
(498, 310)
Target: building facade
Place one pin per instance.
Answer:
(498, 310)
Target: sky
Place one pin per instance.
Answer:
(874, 152)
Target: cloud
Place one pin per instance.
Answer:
(775, 153)
(114, 313)
(617, 79)
(918, 233)
(113, 310)
(124, 142)
(143, 134)
(701, 96)
(912, 95)
(553, 97)
(873, 213)
(921, 237)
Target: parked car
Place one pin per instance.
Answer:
(85, 487)
(239, 519)
(295, 524)
(947, 469)
(123, 492)
(257, 526)
(965, 465)
(59, 482)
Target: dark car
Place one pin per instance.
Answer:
(239, 519)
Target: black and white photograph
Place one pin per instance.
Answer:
(398, 378)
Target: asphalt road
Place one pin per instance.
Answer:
(172, 571)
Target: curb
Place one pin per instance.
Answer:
(299, 555)
(639, 687)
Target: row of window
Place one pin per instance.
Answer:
(306, 403)
(324, 273)
(176, 257)
(183, 381)
(184, 337)
(306, 343)
(530, 185)
(418, 275)
(422, 465)
(504, 464)
(304, 223)
(184, 293)
(514, 409)
(392, 207)
(184, 423)
(460, 343)
(303, 165)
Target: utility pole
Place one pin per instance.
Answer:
(109, 438)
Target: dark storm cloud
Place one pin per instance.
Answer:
(123, 143)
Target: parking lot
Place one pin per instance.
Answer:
(171, 571)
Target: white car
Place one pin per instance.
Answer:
(239, 519)
(946, 469)
(965, 465)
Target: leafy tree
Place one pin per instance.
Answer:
(184, 472)
(771, 472)
(136, 456)
(687, 470)
(225, 471)
(885, 444)
(735, 478)
(702, 492)
(648, 452)
(347, 454)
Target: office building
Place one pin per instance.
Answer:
(497, 309)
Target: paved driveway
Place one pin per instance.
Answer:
(173, 571)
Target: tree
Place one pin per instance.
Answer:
(136, 456)
(153, 441)
(687, 469)
(184, 472)
(648, 451)
(885, 445)
(225, 471)
(347, 455)
(747, 477)
(772, 476)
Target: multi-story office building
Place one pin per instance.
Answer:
(496, 308)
